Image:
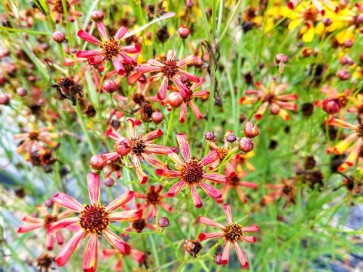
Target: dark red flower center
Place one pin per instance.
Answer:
(138, 225)
(58, 6)
(192, 172)
(170, 69)
(310, 15)
(138, 146)
(33, 135)
(233, 232)
(94, 218)
(233, 181)
(270, 97)
(153, 198)
(360, 130)
(287, 190)
(48, 219)
(110, 49)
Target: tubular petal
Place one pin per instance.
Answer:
(90, 254)
(93, 183)
(195, 196)
(68, 249)
(210, 190)
(209, 222)
(67, 201)
(120, 200)
(184, 146)
(117, 242)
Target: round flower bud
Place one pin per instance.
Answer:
(218, 259)
(209, 136)
(250, 130)
(275, 109)
(281, 58)
(231, 138)
(48, 203)
(183, 32)
(97, 15)
(348, 43)
(123, 146)
(109, 182)
(344, 60)
(21, 91)
(327, 21)
(59, 36)
(157, 117)
(4, 99)
(193, 247)
(359, 19)
(175, 99)
(343, 75)
(98, 162)
(331, 106)
(163, 222)
(245, 144)
(110, 86)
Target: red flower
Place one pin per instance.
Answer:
(110, 49)
(153, 198)
(271, 98)
(191, 173)
(168, 69)
(94, 220)
(284, 190)
(47, 219)
(138, 147)
(232, 233)
(135, 254)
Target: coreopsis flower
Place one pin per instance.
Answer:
(243, 160)
(175, 99)
(110, 49)
(231, 233)
(307, 16)
(36, 140)
(286, 189)
(191, 172)
(139, 224)
(168, 70)
(57, 7)
(335, 100)
(236, 182)
(137, 255)
(353, 143)
(272, 98)
(138, 147)
(320, 5)
(153, 198)
(357, 106)
(223, 152)
(93, 220)
(44, 222)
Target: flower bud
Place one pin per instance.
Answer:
(275, 109)
(250, 130)
(348, 43)
(163, 222)
(344, 60)
(97, 15)
(48, 203)
(245, 144)
(209, 136)
(123, 146)
(21, 91)
(59, 36)
(4, 99)
(193, 247)
(331, 106)
(109, 182)
(183, 32)
(218, 259)
(175, 99)
(110, 86)
(157, 117)
(343, 75)
(231, 138)
(281, 58)
(98, 162)
(327, 21)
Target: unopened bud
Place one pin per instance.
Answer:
(331, 106)
(175, 99)
(157, 117)
(98, 162)
(109, 182)
(21, 91)
(231, 138)
(344, 60)
(245, 144)
(209, 136)
(97, 15)
(343, 75)
(183, 32)
(327, 21)
(110, 86)
(193, 247)
(48, 203)
(163, 222)
(123, 146)
(348, 43)
(218, 259)
(281, 58)
(4, 99)
(59, 36)
(250, 130)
